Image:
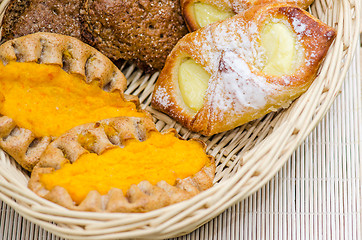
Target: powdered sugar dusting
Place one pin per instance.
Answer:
(239, 37)
(286, 80)
(203, 47)
(312, 56)
(237, 88)
(298, 26)
(163, 98)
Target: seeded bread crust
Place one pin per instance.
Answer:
(140, 31)
(75, 57)
(30, 16)
(143, 32)
(107, 134)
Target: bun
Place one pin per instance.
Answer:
(140, 31)
(30, 16)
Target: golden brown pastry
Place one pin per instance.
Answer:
(199, 13)
(100, 167)
(25, 89)
(237, 70)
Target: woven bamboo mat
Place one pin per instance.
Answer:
(316, 195)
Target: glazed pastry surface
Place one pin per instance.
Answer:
(249, 76)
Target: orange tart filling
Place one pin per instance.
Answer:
(159, 157)
(48, 101)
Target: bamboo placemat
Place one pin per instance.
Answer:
(316, 195)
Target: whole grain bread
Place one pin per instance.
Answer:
(139, 31)
(23, 17)
(142, 31)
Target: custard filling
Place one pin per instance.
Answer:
(206, 14)
(193, 82)
(163, 157)
(280, 48)
(48, 101)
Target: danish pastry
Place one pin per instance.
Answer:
(231, 72)
(99, 167)
(199, 13)
(50, 83)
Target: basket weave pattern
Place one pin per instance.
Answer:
(247, 157)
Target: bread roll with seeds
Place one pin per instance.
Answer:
(139, 31)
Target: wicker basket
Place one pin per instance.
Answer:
(247, 157)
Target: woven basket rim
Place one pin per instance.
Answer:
(184, 217)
